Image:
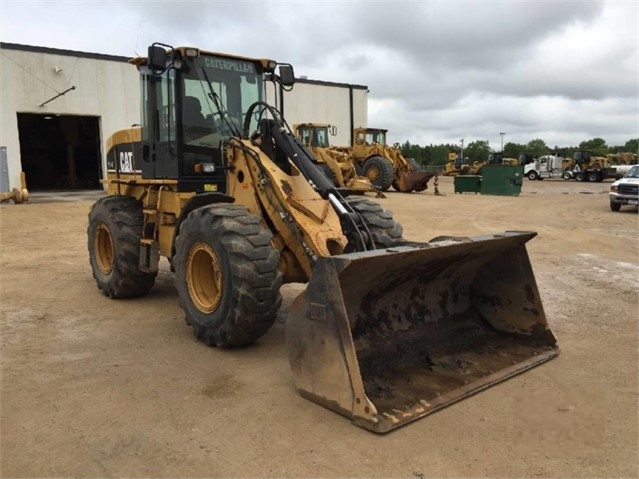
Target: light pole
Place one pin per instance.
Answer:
(461, 156)
(502, 140)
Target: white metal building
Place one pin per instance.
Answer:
(58, 107)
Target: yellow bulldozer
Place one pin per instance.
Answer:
(336, 165)
(455, 166)
(384, 165)
(386, 331)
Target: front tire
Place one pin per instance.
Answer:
(385, 230)
(416, 166)
(114, 232)
(226, 275)
(379, 171)
(615, 206)
(532, 175)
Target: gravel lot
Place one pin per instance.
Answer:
(92, 387)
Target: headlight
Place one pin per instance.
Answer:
(613, 188)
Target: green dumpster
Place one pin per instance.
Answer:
(503, 180)
(467, 184)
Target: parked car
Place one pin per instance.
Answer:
(626, 190)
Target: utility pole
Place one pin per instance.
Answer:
(461, 159)
(502, 141)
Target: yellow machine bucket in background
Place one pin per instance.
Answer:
(388, 336)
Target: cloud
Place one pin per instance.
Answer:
(563, 71)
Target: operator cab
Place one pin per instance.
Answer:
(496, 158)
(314, 136)
(375, 137)
(194, 102)
(581, 157)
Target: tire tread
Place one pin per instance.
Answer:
(255, 279)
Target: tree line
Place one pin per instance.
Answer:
(437, 155)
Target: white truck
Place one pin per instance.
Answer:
(626, 190)
(547, 166)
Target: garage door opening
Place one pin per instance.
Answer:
(60, 152)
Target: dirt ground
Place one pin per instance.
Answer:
(92, 387)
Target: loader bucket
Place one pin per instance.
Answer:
(415, 180)
(385, 337)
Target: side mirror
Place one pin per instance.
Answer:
(287, 76)
(332, 130)
(156, 58)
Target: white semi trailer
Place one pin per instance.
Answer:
(547, 166)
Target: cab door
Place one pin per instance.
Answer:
(159, 145)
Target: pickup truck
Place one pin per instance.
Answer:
(626, 190)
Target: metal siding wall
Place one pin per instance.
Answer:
(104, 88)
(360, 109)
(310, 102)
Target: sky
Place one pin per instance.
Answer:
(437, 71)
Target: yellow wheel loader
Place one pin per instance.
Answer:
(336, 165)
(586, 167)
(626, 158)
(385, 166)
(386, 331)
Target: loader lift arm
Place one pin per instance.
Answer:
(279, 143)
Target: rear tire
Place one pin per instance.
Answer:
(114, 232)
(579, 176)
(379, 171)
(593, 176)
(226, 275)
(385, 230)
(615, 206)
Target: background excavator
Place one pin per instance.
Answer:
(386, 331)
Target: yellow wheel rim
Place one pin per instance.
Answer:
(204, 277)
(103, 247)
